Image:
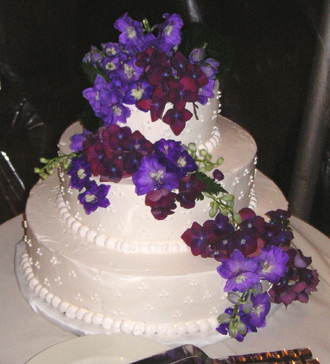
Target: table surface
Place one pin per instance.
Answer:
(23, 333)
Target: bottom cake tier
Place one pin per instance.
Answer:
(169, 294)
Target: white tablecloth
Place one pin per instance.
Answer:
(23, 333)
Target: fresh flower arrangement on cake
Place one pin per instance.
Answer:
(146, 68)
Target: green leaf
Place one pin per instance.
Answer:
(88, 118)
(195, 35)
(212, 187)
(92, 72)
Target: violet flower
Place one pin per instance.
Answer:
(152, 176)
(272, 263)
(170, 32)
(77, 141)
(260, 309)
(131, 32)
(240, 272)
(95, 196)
(80, 172)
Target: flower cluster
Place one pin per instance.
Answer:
(168, 168)
(147, 71)
(250, 253)
(92, 195)
(115, 152)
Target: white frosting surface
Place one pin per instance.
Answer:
(169, 294)
(119, 267)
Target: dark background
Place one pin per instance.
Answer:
(42, 43)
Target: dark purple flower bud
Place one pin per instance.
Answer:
(197, 55)
(218, 175)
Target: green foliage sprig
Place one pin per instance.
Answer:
(51, 164)
(221, 201)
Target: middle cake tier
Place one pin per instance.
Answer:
(127, 224)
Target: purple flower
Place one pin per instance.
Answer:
(199, 239)
(272, 263)
(259, 311)
(279, 215)
(162, 203)
(206, 92)
(129, 72)
(136, 91)
(112, 137)
(170, 32)
(117, 113)
(156, 104)
(153, 176)
(296, 285)
(131, 32)
(80, 171)
(182, 91)
(177, 120)
(95, 196)
(137, 142)
(179, 63)
(254, 226)
(275, 235)
(174, 156)
(94, 57)
(299, 281)
(77, 141)
(246, 244)
(241, 273)
(190, 187)
(110, 65)
(105, 100)
(111, 49)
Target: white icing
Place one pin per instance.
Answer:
(121, 269)
(124, 284)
